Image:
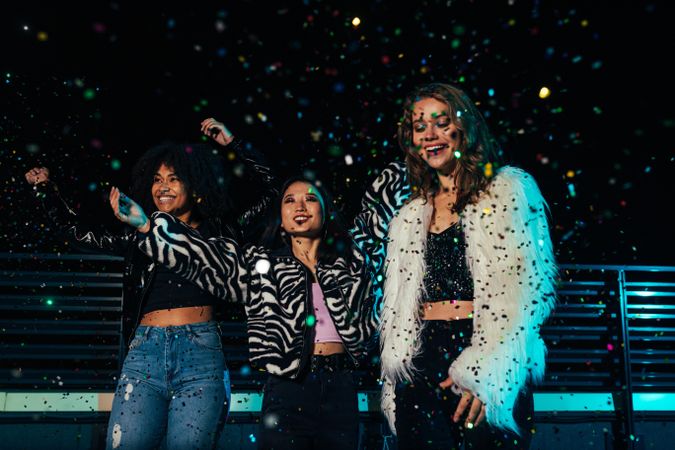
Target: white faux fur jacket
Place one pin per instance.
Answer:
(510, 256)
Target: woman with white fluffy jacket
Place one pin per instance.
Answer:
(470, 279)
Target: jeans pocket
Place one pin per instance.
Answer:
(136, 342)
(208, 339)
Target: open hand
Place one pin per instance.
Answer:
(476, 407)
(217, 131)
(128, 211)
(37, 175)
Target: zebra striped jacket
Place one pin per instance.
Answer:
(275, 287)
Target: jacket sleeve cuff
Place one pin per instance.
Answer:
(495, 378)
(465, 374)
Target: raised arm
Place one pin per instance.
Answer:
(381, 201)
(254, 160)
(371, 225)
(357, 278)
(67, 222)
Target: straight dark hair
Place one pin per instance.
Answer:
(335, 238)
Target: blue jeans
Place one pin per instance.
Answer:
(171, 385)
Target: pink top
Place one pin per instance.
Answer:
(325, 328)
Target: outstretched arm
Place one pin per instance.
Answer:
(67, 222)
(215, 265)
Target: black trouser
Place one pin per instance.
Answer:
(424, 411)
(317, 411)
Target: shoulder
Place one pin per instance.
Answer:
(510, 190)
(512, 183)
(509, 178)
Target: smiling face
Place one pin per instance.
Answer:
(169, 193)
(434, 135)
(302, 210)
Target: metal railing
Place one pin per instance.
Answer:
(612, 332)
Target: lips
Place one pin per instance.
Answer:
(163, 199)
(301, 218)
(434, 150)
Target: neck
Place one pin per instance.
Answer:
(446, 181)
(187, 218)
(306, 249)
(447, 174)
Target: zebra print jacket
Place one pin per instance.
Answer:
(275, 287)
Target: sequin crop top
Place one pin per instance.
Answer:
(447, 276)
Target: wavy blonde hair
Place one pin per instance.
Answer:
(479, 150)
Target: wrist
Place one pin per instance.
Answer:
(145, 228)
(228, 138)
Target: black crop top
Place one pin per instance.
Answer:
(169, 290)
(447, 276)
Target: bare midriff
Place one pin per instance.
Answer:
(327, 348)
(447, 310)
(178, 316)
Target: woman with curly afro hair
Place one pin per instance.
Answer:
(173, 384)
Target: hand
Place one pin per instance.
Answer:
(216, 131)
(476, 411)
(128, 211)
(37, 175)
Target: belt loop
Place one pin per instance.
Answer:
(220, 330)
(189, 329)
(146, 332)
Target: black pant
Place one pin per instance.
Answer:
(317, 411)
(424, 411)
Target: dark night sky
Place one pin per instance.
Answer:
(87, 86)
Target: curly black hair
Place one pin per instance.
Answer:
(199, 167)
(336, 240)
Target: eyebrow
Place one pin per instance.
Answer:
(306, 193)
(157, 174)
(433, 116)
